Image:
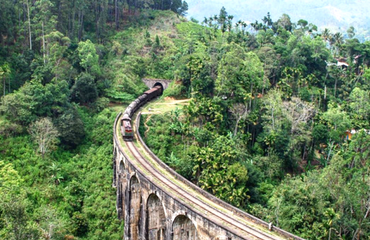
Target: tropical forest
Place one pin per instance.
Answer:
(276, 120)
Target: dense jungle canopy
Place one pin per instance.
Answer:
(277, 122)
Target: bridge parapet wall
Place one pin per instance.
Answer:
(181, 221)
(151, 213)
(214, 199)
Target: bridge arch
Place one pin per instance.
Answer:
(114, 167)
(121, 187)
(134, 208)
(121, 166)
(156, 219)
(183, 228)
(222, 237)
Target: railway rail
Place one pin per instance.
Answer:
(242, 225)
(240, 228)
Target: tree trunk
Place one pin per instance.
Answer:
(43, 42)
(72, 34)
(97, 20)
(80, 22)
(4, 86)
(236, 126)
(250, 100)
(116, 13)
(29, 24)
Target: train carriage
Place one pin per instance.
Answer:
(126, 128)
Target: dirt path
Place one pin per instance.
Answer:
(171, 101)
(147, 128)
(160, 108)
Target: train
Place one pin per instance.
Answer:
(126, 127)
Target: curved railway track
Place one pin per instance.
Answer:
(225, 218)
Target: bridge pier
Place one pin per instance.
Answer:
(151, 214)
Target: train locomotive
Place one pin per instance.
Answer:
(126, 127)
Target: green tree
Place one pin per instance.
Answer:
(301, 206)
(285, 22)
(44, 25)
(8, 22)
(17, 106)
(56, 49)
(359, 106)
(34, 100)
(271, 65)
(351, 32)
(354, 168)
(14, 219)
(175, 5)
(302, 23)
(183, 11)
(89, 59)
(286, 128)
(84, 90)
(267, 20)
(4, 73)
(70, 127)
(336, 43)
(338, 122)
(240, 75)
(219, 172)
(273, 116)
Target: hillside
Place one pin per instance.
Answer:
(337, 16)
(56, 116)
(275, 124)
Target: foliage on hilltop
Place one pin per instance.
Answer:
(268, 121)
(336, 15)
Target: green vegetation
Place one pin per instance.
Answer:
(64, 193)
(264, 128)
(61, 64)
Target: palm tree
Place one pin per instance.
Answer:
(205, 21)
(239, 24)
(210, 21)
(229, 22)
(338, 38)
(337, 41)
(326, 34)
(56, 177)
(215, 17)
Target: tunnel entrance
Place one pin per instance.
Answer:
(159, 84)
(151, 82)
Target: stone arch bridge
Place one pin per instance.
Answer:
(156, 203)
